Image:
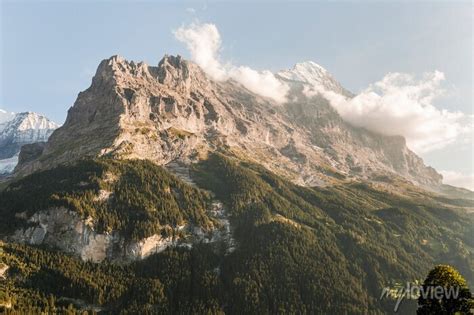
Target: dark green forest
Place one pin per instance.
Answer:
(299, 250)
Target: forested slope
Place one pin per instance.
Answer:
(299, 249)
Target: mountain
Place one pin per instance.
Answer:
(18, 129)
(312, 74)
(174, 111)
(167, 192)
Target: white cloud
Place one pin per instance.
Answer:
(458, 179)
(261, 82)
(401, 105)
(204, 43)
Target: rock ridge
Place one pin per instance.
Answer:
(175, 112)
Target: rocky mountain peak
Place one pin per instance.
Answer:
(306, 70)
(312, 74)
(173, 111)
(173, 70)
(116, 68)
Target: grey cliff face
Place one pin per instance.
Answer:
(174, 112)
(64, 229)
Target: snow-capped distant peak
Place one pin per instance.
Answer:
(29, 120)
(305, 72)
(27, 127)
(312, 74)
(18, 129)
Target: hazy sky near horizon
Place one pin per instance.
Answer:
(50, 49)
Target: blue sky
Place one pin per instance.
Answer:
(50, 50)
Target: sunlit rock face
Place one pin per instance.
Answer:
(63, 229)
(175, 112)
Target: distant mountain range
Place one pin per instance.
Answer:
(18, 129)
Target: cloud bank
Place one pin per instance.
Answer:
(204, 44)
(399, 104)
